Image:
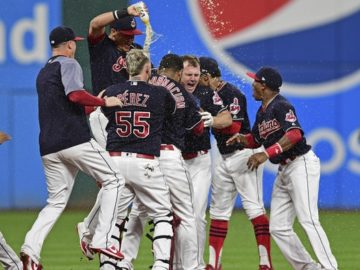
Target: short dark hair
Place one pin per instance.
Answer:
(171, 61)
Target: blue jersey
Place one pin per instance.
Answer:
(63, 123)
(235, 101)
(209, 101)
(187, 112)
(107, 63)
(273, 122)
(137, 126)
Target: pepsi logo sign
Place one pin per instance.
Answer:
(314, 44)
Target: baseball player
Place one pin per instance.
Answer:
(188, 118)
(196, 153)
(66, 147)
(134, 142)
(296, 186)
(231, 175)
(107, 57)
(8, 257)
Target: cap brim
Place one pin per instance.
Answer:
(133, 32)
(78, 38)
(252, 75)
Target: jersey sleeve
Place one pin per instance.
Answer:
(71, 76)
(96, 45)
(286, 115)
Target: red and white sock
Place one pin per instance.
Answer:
(262, 234)
(217, 235)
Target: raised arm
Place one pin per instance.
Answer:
(98, 24)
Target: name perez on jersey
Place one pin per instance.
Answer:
(268, 127)
(133, 99)
(170, 86)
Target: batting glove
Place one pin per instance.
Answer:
(207, 118)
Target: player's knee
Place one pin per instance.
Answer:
(163, 228)
(113, 182)
(275, 228)
(59, 203)
(309, 223)
(254, 213)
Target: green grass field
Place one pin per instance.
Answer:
(61, 251)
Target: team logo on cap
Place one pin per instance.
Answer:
(280, 34)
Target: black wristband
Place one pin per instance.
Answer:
(118, 14)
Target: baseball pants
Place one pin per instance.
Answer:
(8, 257)
(61, 169)
(98, 122)
(295, 194)
(145, 180)
(181, 196)
(232, 176)
(199, 169)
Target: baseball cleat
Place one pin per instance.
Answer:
(84, 241)
(264, 267)
(28, 263)
(111, 251)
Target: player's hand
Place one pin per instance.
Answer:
(256, 160)
(4, 137)
(236, 138)
(207, 118)
(101, 94)
(137, 8)
(112, 102)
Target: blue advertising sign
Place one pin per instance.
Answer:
(24, 28)
(312, 43)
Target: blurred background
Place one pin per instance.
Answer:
(314, 44)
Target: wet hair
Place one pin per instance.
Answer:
(191, 59)
(135, 61)
(171, 61)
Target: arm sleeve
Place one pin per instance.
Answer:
(294, 135)
(84, 98)
(95, 40)
(231, 130)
